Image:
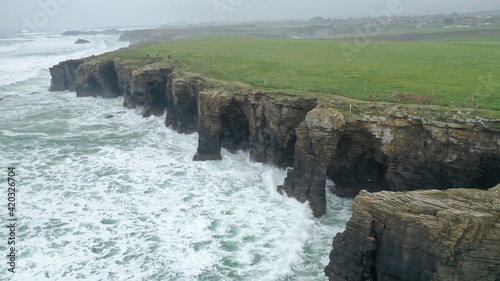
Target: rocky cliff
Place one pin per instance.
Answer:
(145, 88)
(97, 79)
(252, 122)
(182, 103)
(394, 148)
(64, 75)
(420, 235)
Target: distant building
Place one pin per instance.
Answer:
(468, 20)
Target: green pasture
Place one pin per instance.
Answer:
(460, 73)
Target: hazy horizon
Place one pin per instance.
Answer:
(73, 14)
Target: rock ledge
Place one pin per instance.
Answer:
(420, 235)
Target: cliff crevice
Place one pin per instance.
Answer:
(389, 152)
(251, 122)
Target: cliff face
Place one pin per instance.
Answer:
(97, 79)
(394, 149)
(182, 104)
(64, 75)
(252, 122)
(420, 235)
(315, 146)
(145, 88)
(396, 152)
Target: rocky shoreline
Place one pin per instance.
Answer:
(420, 235)
(396, 148)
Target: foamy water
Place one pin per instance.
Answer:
(121, 198)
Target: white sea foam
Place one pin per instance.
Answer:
(22, 60)
(121, 199)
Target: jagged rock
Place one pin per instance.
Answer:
(64, 75)
(97, 78)
(109, 116)
(314, 148)
(182, 104)
(420, 235)
(395, 152)
(210, 107)
(253, 122)
(82, 41)
(145, 88)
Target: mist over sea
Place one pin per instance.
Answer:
(121, 198)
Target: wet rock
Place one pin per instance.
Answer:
(144, 88)
(64, 75)
(251, 122)
(82, 41)
(420, 235)
(97, 78)
(395, 152)
(182, 104)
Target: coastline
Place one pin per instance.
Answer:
(365, 146)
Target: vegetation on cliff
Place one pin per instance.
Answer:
(459, 73)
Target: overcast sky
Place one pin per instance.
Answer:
(68, 14)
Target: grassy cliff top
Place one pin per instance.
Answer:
(457, 73)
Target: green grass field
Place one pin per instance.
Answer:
(459, 73)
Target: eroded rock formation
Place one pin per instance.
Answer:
(420, 235)
(394, 151)
(424, 235)
(64, 75)
(97, 79)
(252, 122)
(182, 104)
(146, 89)
(394, 148)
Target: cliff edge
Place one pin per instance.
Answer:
(420, 235)
(358, 146)
(394, 148)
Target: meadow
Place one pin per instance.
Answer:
(458, 71)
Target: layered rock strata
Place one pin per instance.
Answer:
(153, 90)
(252, 122)
(97, 79)
(145, 89)
(182, 104)
(64, 75)
(394, 149)
(420, 235)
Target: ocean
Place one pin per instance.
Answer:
(121, 199)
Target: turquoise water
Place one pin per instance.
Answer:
(121, 199)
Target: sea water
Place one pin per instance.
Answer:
(121, 199)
